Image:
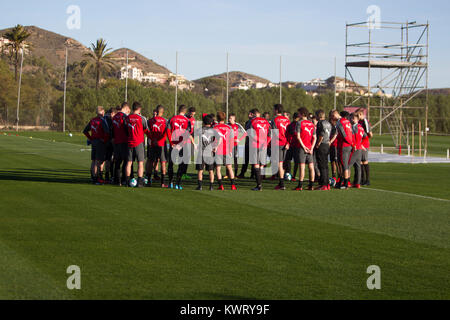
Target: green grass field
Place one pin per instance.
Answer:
(165, 244)
(437, 145)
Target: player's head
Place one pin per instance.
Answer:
(361, 114)
(232, 118)
(345, 114)
(287, 114)
(303, 112)
(191, 111)
(354, 117)
(137, 107)
(111, 112)
(278, 109)
(208, 121)
(159, 110)
(296, 116)
(256, 112)
(221, 116)
(100, 111)
(334, 115)
(320, 114)
(118, 109)
(251, 114)
(125, 108)
(266, 115)
(182, 109)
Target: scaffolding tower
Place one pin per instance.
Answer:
(401, 48)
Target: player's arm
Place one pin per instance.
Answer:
(313, 142)
(86, 131)
(319, 134)
(244, 132)
(299, 138)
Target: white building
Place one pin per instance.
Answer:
(313, 85)
(133, 73)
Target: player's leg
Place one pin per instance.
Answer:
(231, 175)
(199, 168)
(219, 172)
(312, 172)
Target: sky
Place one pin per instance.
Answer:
(308, 35)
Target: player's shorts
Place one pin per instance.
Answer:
(365, 155)
(258, 156)
(301, 157)
(136, 153)
(282, 152)
(355, 158)
(155, 153)
(121, 151)
(109, 151)
(333, 154)
(289, 155)
(344, 157)
(98, 150)
(204, 167)
(222, 160)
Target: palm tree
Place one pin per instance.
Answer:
(16, 37)
(100, 58)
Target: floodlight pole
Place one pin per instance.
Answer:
(335, 91)
(281, 88)
(228, 79)
(176, 82)
(126, 80)
(18, 93)
(64, 99)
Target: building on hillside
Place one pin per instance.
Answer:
(313, 85)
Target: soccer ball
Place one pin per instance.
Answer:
(287, 176)
(133, 183)
(332, 182)
(70, 135)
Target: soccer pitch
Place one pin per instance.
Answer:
(165, 244)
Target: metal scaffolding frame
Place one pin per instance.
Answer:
(407, 62)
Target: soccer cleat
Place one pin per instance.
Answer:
(343, 188)
(298, 189)
(367, 183)
(211, 188)
(328, 187)
(294, 180)
(221, 188)
(226, 178)
(178, 187)
(324, 188)
(356, 186)
(349, 185)
(100, 182)
(164, 186)
(171, 185)
(199, 188)
(311, 188)
(280, 188)
(258, 188)
(233, 187)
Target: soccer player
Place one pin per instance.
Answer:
(248, 124)
(178, 133)
(157, 150)
(259, 141)
(323, 149)
(137, 127)
(237, 130)
(109, 166)
(292, 140)
(97, 132)
(120, 143)
(306, 138)
(355, 160)
(191, 117)
(365, 179)
(315, 120)
(224, 153)
(345, 146)
(206, 151)
(333, 145)
(280, 123)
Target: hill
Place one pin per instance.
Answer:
(235, 77)
(52, 46)
(137, 60)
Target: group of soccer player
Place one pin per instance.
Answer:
(312, 141)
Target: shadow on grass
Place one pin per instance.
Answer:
(47, 175)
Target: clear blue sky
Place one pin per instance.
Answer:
(309, 34)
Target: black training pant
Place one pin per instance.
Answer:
(322, 161)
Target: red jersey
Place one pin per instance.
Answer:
(98, 128)
(307, 131)
(137, 127)
(225, 132)
(281, 123)
(358, 136)
(261, 137)
(119, 128)
(157, 131)
(366, 126)
(345, 133)
(236, 127)
(176, 128)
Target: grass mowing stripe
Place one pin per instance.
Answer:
(408, 194)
